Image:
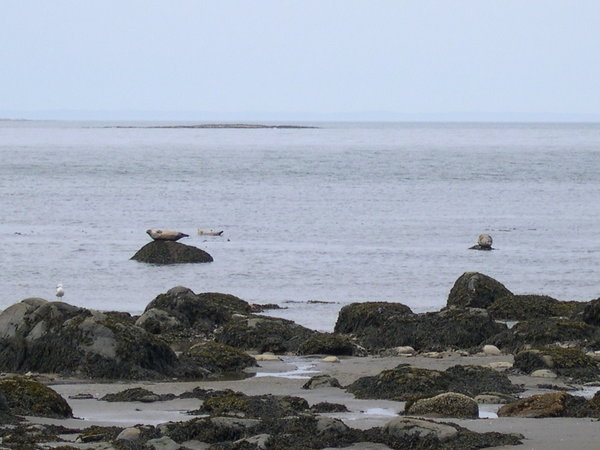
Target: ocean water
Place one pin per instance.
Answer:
(336, 214)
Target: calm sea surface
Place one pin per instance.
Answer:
(341, 213)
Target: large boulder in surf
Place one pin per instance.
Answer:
(184, 318)
(391, 325)
(55, 337)
(169, 252)
(263, 334)
(475, 290)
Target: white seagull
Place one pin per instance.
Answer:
(59, 291)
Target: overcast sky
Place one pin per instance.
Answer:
(314, 59)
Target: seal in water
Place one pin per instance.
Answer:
(165, 235)
(484, 242)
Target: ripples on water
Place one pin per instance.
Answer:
(342, 213)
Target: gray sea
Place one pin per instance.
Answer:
(336, 214)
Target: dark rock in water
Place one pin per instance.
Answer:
(591, 313)
(544, 331)
(169, 252)
(137, 395)
(355, 317)
(527, 307)
(55, 337)
(183, 318)
(30, 398)
(230, 403)
(566, 362)
(448, 404)
(435, 331)
(326, 407)
(406, 383)
(263, 334)
(321, 381)
(218, 358)
(475, 290)
(329, 344)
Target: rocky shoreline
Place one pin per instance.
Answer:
(491, 369)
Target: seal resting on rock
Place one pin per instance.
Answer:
(484, 242)
(165, 235)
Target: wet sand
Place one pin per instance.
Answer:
(286, 377)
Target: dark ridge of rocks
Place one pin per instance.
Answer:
(545, 331)
(406, 383)
(566, 362)
(170, 252)
(326, 407)
(263, 334)
(528, 307)
(376, 327)
(475, 290)
(137, 395)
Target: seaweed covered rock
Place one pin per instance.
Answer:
(263, 334)
(407, 383)
(567, 362)
(321, 381)
(137, 395)
(230, 403)
(475, 290)
(355, 317)
(55, 337)
(433, 331)
(545, 331)
(183, 318)
(527, 307)
(554, 404)
(448, 404)
(169, 252)
(29, 398)
(329, 344)
(218, 358)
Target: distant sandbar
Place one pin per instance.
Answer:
(214, 125)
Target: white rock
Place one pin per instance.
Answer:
(403, 427)
(500, 365)
(331, 359)
(491, 350)
(405, 350)
(543, 373)
(267, 357)
(129, 434)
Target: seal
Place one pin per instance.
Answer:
(484, 242)
(165, 235)
(202, 232)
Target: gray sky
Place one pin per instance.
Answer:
(330, 59)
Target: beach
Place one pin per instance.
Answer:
(286, 377)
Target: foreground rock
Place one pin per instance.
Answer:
(29, 398)
(408, 383)
(449, 404)
(169, 252)
(380, 326)
(330, 344)
(555, 404)
(55, 337)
